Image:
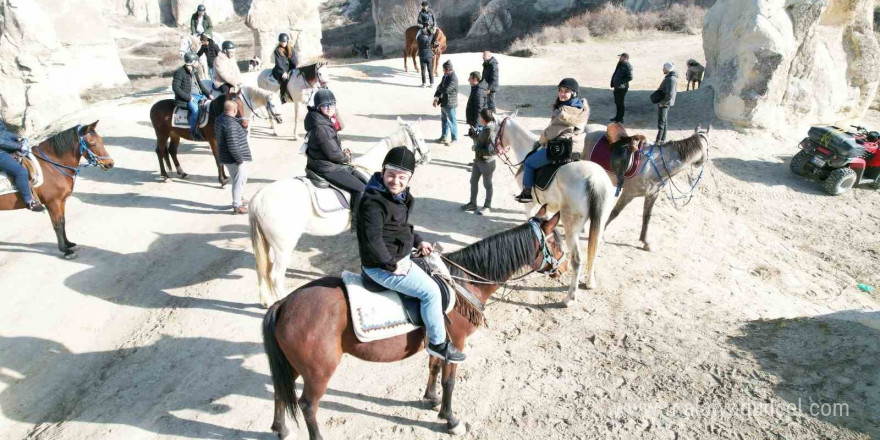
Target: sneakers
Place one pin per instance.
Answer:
(447, 352)
(239, 210)
(36, 206)
(244, 202)
(441, 140)
(424, 85)
(446, 142)
(469, 207)
(484, 211)
(525, 196)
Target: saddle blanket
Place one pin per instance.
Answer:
(6, 186)
(544, 176)
(327, 201)
(601, 154)
(385, 314)
(180, 118)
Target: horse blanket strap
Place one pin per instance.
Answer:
(469, 297)
(650, 156)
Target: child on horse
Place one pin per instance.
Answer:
(385, 240)
(11, 144)
(484, 162)
(570, 114)
(285, 64)
(189, 92)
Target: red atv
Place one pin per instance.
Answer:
(840, 158)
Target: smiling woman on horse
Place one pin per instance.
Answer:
(386, 238)
(285, 63)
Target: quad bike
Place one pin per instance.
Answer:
(842, 159)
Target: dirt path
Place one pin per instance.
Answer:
(745, 314)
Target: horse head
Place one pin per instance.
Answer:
(703, 137)
(550, 258)
(91, 145)
(414, 139)
(510, 135)
(319, 74)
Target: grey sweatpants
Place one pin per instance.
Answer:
(484, 169)
(238, 174)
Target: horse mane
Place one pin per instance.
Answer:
(689, 149)
(497, 257)
(309, 71)
(64, 142)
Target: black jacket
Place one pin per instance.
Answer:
(667, 90)
(476, 102)
(623, 74)
(283, 64)
(383, 230)
(447, 91)
(426, 52)
(426, 17)
(324, 149)
(490, 74)
(182, 84)
(232, 145)
(210, 51)
(484, 150)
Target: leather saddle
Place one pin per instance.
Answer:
(614, 153)
(560, 153)
(413, 306)
(180, 118)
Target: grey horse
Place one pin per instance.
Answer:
(651, 178)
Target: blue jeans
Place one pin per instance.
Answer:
(535, 161)
(18, 174)
(417, 284)
(193, 106)
(447, 117)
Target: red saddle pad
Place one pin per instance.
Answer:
(601, 154)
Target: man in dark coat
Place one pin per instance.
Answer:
(476, 101)
(426, 55)
(490, 76)
(285, 63)
(233, 152)
(623, 74)
(446, 97)
(209, 49)
(189, 91)
(664, 97)
(200, 23)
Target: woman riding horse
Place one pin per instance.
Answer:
(570, 114)
(18, 174)
(285, 64)
(227, 76)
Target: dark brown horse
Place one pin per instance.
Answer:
(59, 158)
(411, 48)
(306, 333)
(160, 115)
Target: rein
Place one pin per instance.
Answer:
(689, 194)
(84, 151)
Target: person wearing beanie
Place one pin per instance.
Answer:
(623, 74)
(446, 97)
(569, 116)
(386, 238)
(664, 97)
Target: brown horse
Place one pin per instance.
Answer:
(306, 333)
(59, 158)
(411, 48)
(160, 115)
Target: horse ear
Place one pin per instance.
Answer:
(515, 112)
(400, 121)
(699, 127)
(419, 122)
(708, 130)
(550, 225)
(542, 212)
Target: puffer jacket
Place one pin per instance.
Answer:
(447, 91)
(476, 102)
(226, 71)
(384, 233)
(426, 52)
(232, 144)
(324, 150)
(669, 88)
(484, 151)
(426, 17)
(182, 85)
(567, 122)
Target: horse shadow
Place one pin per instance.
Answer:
(109, 276)
(826, 365)
(139, 201)
(133, 143)
(409, 117)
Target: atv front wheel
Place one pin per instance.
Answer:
(800, 162)
(876, 183)
(840, 181)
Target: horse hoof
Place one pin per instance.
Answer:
(165, 179)
(647, 247)
(458, 429)
(70, 255)
(281, 433)
(182, 175)
(569, 301)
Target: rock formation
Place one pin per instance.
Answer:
(298, 18)
(774, 62)
(50, 52)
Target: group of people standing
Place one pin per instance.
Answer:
(663, 97)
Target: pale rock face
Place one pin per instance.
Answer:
(148, 11)
(791, 62)
(51, 51)
(218, 10)
(298, 18)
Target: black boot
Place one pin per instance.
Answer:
(36, 206)
(447, 352)
(525, 196)
(196, 135)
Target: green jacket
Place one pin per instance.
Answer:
(207, 24)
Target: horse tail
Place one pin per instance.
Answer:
(261, 254)
(282, 372)
(597, 204)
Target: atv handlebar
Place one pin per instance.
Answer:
(860, 128)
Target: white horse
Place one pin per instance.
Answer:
(282, 211)
(580, 191)
(255, 99)
(191, 43)
(304, 82)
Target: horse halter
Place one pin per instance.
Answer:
(499, 146)
(87, 152)
(84, 150)
(549, 263)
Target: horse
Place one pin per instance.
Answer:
(307, 332)
(694, 74)
(279, 212)
(192, 43)
(661, 162)
(361, 50)
(59, 158)
(411, 48)
(580, 191)
(162, 111)
(301, 88)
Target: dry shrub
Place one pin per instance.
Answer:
(608, 21)
(171, 60)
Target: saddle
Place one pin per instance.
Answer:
(326, 198)
(613, 153)
(378, 313)
(36, 175)
(180, 118)
(559, 152)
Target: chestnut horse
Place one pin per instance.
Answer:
(411, 48)
(59, 158)
(306, 333)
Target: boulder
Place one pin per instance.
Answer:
(50, 52)
(300, 19)
(148, 11)
(791, 62)
(218, 10)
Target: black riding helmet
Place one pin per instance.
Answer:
(324, 97)
(200, 8)
(570, 84)
(873, 136)
(228, 45)
(401, 158)
(283, 38)
(190, 58)
(424, 4)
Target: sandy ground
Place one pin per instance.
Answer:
(745, 322)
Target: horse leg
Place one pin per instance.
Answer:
(574, 224)
(295, 118)
(161, 152)
(221, 170)
(315, 382)
(618, 207)
(56, 215)
(172, 149)
(453, 424)
(406, 60)
(279, 422)
(646, 219)
(434, 366)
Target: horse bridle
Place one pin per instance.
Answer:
(84, 151)
(682, 194)
(415, 143)
(500, 149)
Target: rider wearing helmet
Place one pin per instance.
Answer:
(200, 23)
(285, 63)
(188, 91)
(11, 144)
(385, 240)
(427, 22)
(326, 157)
(570, 114)
(227, 75)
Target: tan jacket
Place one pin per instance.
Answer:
(567, 122)
(226, 71)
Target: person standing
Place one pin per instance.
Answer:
(664, 97)
(484, 163)
(623, 74)
(210, 50)
(285, 64)
(11, 144)
(200, 23)
(476, 101)
(426, 55)
(490, 75)
(189, 92)
(233, 152)
(446, 97)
